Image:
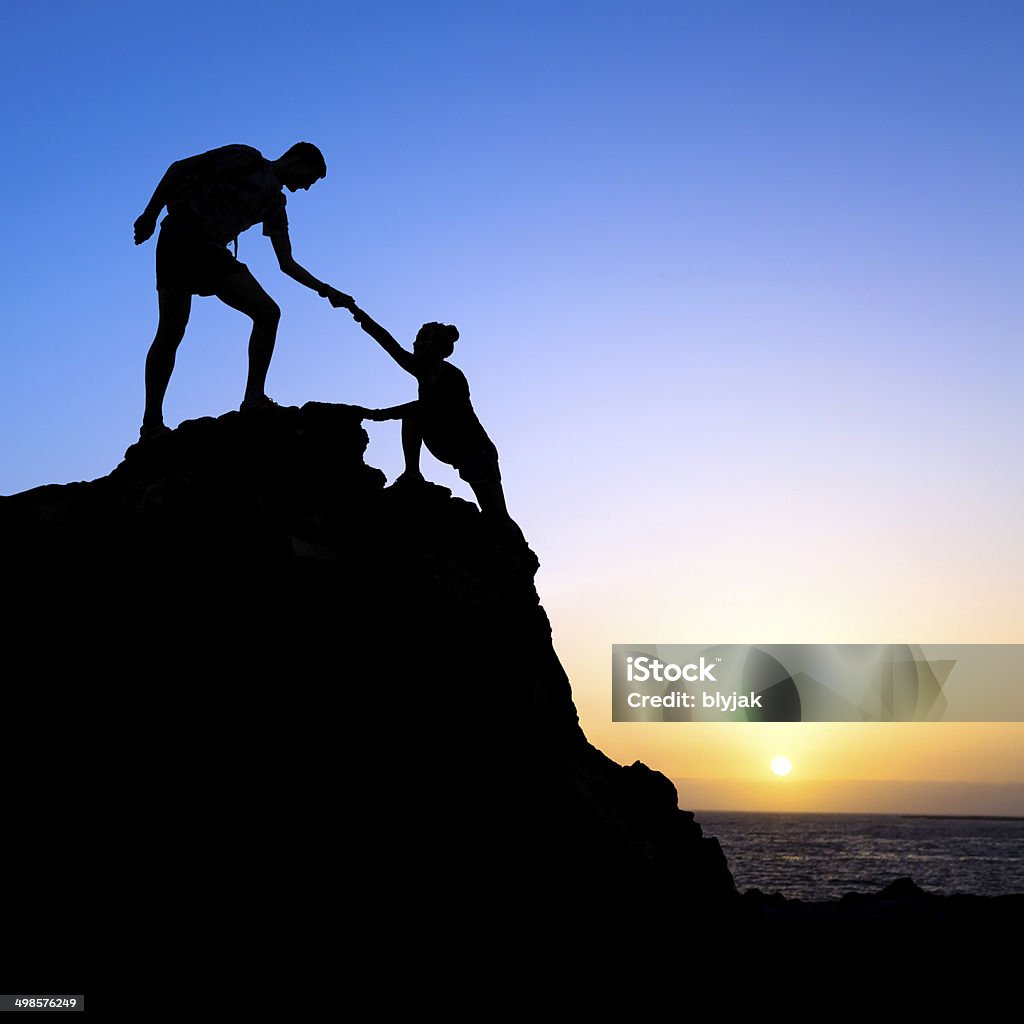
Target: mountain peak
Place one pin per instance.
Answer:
(254, 646)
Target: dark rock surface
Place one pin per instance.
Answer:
(254, 696)
(257, 685)
(901, 904)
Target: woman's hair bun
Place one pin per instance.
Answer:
(446, 335)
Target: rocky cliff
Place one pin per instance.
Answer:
(257, 706)
(250, 684)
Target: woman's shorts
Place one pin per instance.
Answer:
(474, 465)
(478, 468)
(190, 263)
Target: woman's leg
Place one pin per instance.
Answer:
(490, 497)
(412, 442)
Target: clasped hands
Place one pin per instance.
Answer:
(337, 299)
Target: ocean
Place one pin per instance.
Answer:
(823, 856)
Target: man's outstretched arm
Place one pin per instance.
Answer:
(283, 250)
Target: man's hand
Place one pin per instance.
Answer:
(338, 299)
(144, 228)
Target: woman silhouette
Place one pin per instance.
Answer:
(443, 417)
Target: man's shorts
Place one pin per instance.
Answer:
(190, 263)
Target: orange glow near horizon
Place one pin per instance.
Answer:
(892, 767)
(747, 589)
(922, 768)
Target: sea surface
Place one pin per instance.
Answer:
(823, 856)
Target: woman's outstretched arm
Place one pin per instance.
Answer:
(396, 412)
(400, 355)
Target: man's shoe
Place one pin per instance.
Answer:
(151, 431)
(258, 404)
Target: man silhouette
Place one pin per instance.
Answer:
(211, 199)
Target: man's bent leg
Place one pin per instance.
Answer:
(243, 292)
(175, 306)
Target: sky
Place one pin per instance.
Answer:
(738, 284)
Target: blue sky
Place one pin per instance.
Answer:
(738, 283)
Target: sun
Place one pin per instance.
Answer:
(782, 765)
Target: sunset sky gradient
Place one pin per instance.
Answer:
(739, 287)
